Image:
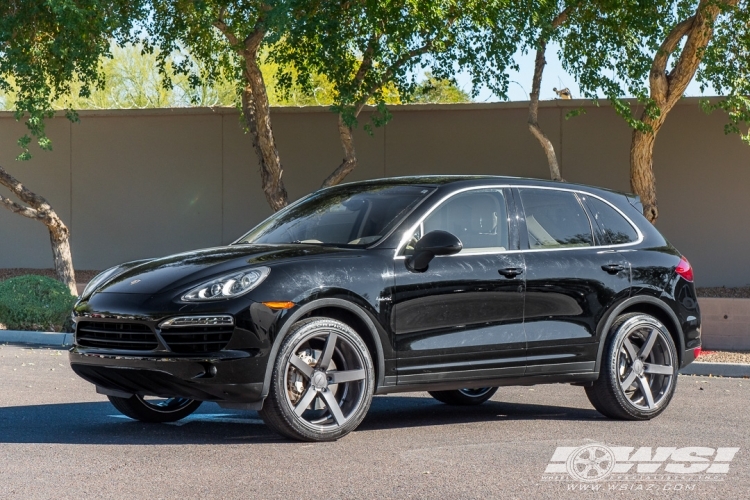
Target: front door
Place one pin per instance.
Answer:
(572, 276)
(462, 319)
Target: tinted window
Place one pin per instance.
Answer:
(356, 215)
(615, 228)
(479, 219)
(555, 219)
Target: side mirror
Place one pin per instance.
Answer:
(432, 244)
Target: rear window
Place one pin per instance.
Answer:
(555, 219)
(614, 227)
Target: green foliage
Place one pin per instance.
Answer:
(726, 67)
(35, 303)
(434, 90)
(369, 49)
(46, 44)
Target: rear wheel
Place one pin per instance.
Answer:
(464, 397)
(638, 369)
(322, 382)
(155, 410)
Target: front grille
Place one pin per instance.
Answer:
(198, 338)
(123, 336)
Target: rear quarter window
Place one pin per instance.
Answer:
(614, 227)
(555, 219)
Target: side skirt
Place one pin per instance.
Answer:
(566, 373)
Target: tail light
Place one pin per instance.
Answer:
(697, 352)
(684, 269)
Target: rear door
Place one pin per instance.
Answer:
(572, 277)
(462, 319)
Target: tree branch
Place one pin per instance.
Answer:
(34, 200)
(658, 76)
(18, 209)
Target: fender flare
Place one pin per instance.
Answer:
(606, 323)
(317, 304)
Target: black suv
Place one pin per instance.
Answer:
(451, 285)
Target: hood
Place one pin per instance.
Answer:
(186, 269)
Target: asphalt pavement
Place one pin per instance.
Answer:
(59, 439)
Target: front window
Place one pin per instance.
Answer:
(479, 218)
(350, 215)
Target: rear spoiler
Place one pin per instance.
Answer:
(635, 201)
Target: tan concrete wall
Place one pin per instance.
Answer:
(134, 184)
(725, 324)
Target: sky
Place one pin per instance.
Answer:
(554, 76)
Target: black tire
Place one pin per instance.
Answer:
(636, 381)
(304, 380)
(168, 410)
(464, 397)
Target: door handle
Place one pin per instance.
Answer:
(510, 272)
(613, 268)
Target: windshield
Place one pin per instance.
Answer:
(350, 215)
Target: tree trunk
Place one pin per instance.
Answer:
(256, 111)
(39, 209)
(549, 149)
(666, 89)
(536, 84)
(350, 155)
(642, 180)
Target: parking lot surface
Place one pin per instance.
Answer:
(59, 439)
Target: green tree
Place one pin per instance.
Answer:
(44, 46)
(671, 42)
(369, 49)
(226, 39)
(438, 90)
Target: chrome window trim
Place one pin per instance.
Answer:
(405, 238)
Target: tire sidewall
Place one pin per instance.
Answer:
(619, 331)
(301, 332)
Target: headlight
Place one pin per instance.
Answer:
(227, 287)
(98, 280)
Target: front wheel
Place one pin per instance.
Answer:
(464, 397)
(322, 382)
(638, 369)
(154, 410)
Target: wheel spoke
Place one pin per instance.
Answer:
(333, 405)
(646, 390)
(631, 350)
(305, 401)
(625, 384)
(646, 349)
(657, 369)
(346, 376)
(325, 358)
(300, 365)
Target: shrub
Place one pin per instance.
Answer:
(34, 302)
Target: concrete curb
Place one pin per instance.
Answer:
(36, 338)
(738, 370)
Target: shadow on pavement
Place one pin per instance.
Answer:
(100, 423)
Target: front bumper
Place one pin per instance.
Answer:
(234, 377)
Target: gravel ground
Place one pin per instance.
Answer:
(722, 292)
(724, 357)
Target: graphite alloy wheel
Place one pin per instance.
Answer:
(464, 397)
(157, 410)
(322, 382)
(638, 369)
